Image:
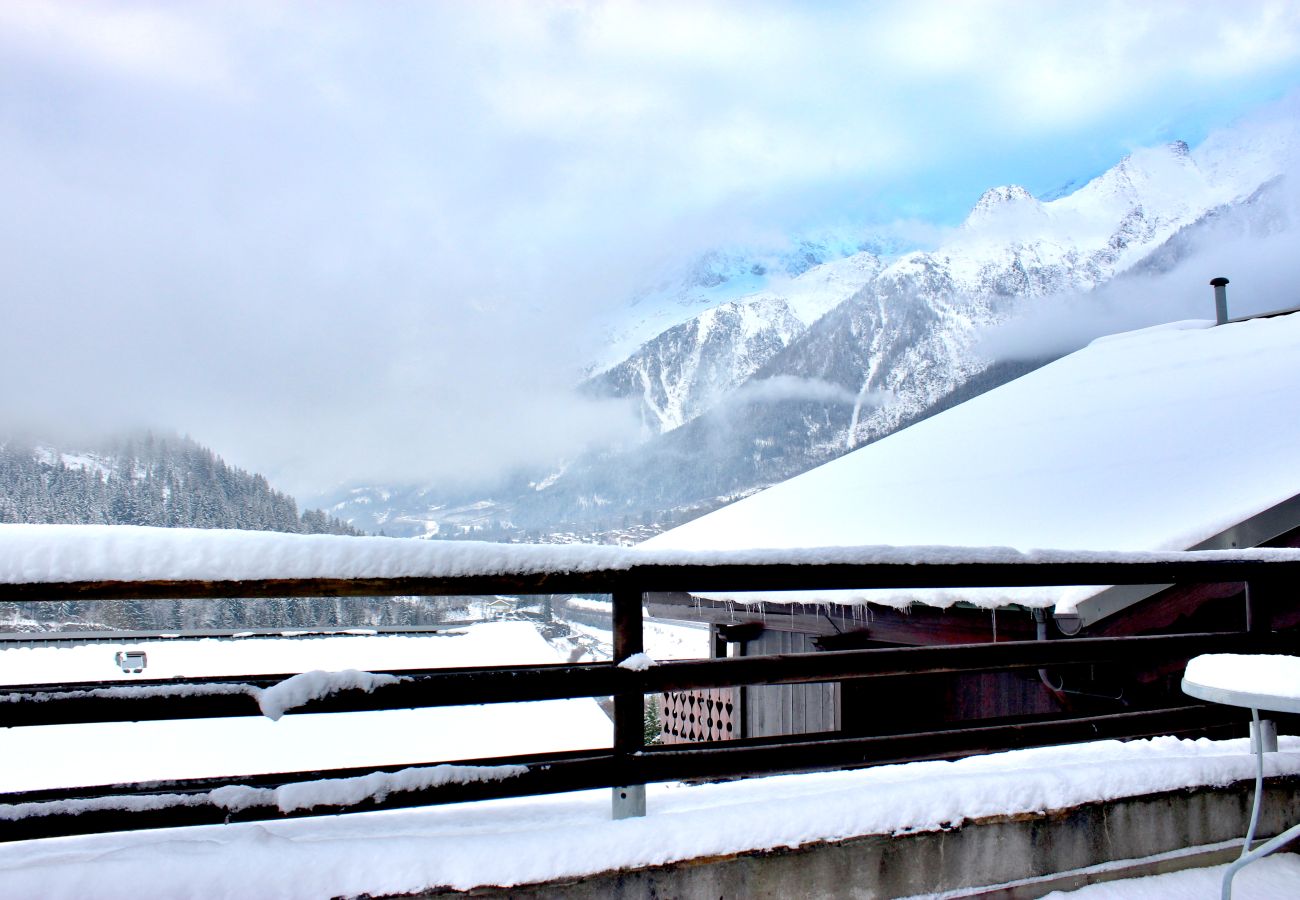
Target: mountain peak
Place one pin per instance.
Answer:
(1137, 172)
(997, 202)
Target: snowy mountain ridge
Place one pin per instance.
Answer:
(684, 370)
(1013, 247)
(1010, 244)
(766, 384)
(679, 293)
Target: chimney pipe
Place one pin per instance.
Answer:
(1220, 286)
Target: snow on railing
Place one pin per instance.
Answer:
(62, 562)
(103, 561)
(295, 797)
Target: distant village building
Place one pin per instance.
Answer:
(499, 608)
(1182, 436)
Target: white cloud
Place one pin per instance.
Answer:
(163, 44)
(373, 236)
(791, 387)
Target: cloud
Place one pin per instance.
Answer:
(1252, 245)
(369, 241)
(790, 387)
(153, 44)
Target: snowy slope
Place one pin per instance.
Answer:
(683, 371)
(1083, 239)
(1151, 440)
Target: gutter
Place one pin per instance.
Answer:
(1256, 531)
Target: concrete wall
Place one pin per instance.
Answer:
(987, 852)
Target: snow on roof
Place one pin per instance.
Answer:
(1151, 440)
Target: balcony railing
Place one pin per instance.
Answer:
(628, 763)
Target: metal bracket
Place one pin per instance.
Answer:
(628, 802)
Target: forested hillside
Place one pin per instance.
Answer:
(145, 480)
(169, 481)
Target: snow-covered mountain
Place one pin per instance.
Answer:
(907, 328)
(761, 373)
(681, 372)
(680, 292)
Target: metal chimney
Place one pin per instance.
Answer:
(1220, 286)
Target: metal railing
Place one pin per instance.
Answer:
(628, 763)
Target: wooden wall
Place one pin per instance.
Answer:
(788, 708)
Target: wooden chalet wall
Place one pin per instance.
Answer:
(918, 703)
(708, 714)
(788, 708)
(926, 702)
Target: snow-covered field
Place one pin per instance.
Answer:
(531, 839)
(484, 644)
(66, 755)
(663, 640)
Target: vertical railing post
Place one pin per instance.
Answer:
(1263, 732)
(628, 801)
(1252, 614)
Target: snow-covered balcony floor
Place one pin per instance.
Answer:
(1272, 878)
(522, 841)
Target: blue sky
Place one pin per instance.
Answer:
(281, 226)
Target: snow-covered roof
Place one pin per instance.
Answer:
(1151, 440)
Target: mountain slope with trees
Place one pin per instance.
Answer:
(145, 479)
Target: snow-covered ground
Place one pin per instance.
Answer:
(66, 755)
(483, 644)
(532, 839)
(1271, 878)
(108, 753)
(663, 640)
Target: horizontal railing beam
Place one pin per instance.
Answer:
(203, 801)
(45, 814)
(698, 578)
(837, 665)
(162, 700)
